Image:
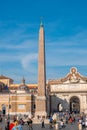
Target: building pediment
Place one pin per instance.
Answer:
(73, 77)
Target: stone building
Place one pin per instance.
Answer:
(17, 98)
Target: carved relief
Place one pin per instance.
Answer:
(72, 77)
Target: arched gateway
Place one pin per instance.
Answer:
(75, 104)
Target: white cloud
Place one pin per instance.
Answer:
(29, 62)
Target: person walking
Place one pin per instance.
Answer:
(0, 118)
(42, 123)
(50, 122)
(11, 125)
(30, 123)
(56, 126)
(79, 126)
(86, 123)
(17, 127)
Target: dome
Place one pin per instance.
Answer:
(23, 88)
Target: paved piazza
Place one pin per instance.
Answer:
(37, 126)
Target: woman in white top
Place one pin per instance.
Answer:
(86, 123)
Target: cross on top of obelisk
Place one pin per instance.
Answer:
(41, 23)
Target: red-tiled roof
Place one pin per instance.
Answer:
(4, 77)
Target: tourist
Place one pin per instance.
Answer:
(61, 123)
(7, 124)
(0, 118)
(86, 122)
(56, 126)
(50, 121)
(15, 122)
(42, 123)
(79, 126)
(11, 125)
(30, 123)
(21, 121)
(70, 119)
(17, 127)
(83, 124)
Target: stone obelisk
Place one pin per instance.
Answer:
(41, 98)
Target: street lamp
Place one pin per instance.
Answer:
(9, 106)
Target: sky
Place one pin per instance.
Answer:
(65, 25)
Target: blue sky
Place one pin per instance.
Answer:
(65, 24)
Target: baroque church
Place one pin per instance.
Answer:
(65, 94)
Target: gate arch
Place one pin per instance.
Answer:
(74, 104)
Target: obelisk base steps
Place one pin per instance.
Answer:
(40, 107)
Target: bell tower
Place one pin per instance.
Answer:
(41, 98)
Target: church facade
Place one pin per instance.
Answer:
(42, 99)
(17, 98)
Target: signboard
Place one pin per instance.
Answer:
(21, 106)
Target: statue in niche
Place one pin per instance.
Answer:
(60, 107)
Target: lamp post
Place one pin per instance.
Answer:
(16, 104)
(8, 121)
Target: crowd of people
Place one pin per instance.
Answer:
(56, 121)
(16, 123)
(82, 123)
(60, 120)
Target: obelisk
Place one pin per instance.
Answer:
(41, 97)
